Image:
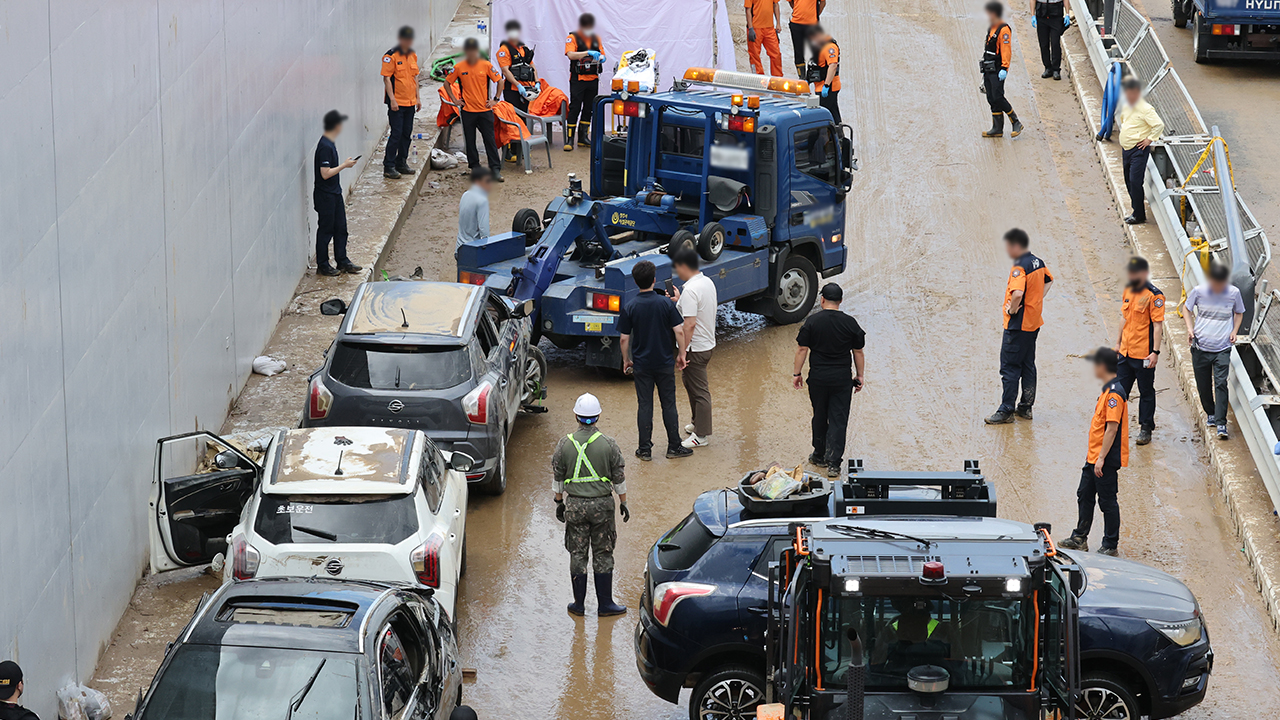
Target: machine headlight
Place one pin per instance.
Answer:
(1183, 633)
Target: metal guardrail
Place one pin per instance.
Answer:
(1179, 202)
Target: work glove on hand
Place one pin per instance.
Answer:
(524, 93)
(825, 89)
(560, 510)
(626, 514)
(1033, 21)
(1003, 74)
(751, 34)
(1066, 21)
(596, 55)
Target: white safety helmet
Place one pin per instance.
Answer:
(587, 406)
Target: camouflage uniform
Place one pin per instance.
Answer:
(589, 512)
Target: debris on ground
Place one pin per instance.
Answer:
(267, 365)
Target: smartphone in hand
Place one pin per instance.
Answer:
(671, 287)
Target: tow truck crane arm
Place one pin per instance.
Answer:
(576, 221)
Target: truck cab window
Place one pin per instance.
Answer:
(816, 154)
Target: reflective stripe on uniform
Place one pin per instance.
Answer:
(582, 460)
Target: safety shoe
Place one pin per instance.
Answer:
(605, 606)
(568, 139)
(1046, 74)
(999, 417)
(1057, 74)
(405, 170)
(390, 173)
(1109, 552)
(833, 471)
(1023, 411)
(584, 134)
(1075, 542)
(644, 455)
(678, 452)
(1144, 436)
(579, 583)
(993, 132)
(1016, 130)
(1133, 220)
(328, 271)
(350, 268)
(815, 459)
(497, 177)
(1222, 433)
(693, 441)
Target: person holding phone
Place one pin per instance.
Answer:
(331, 210)
(652, 332)
(832, 340)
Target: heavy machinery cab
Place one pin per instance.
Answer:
(929, 616)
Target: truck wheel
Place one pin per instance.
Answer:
(681, 239)
(495, 483)
(797, 289)
(1198, 30)
(528, 222)
(730, 692)
(1105, 697)
(1180, 13)
(535, 377)
(711, 241)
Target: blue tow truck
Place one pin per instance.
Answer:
(1231, 29)
(746, 169)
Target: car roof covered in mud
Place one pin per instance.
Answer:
(342, 461)
(413, 312)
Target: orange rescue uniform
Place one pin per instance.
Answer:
(474, 80)
(804, 12)
(762, 21)
(1029, 275)
(1111, 407)
(1141, 309)
(403, 71)
(576, 42)
(1004, 43)
(505, 60)
(829, 55)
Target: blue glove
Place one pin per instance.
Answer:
(1033, 21)
(1066, 22)
(1003, 74)
(596, 55)
(825, 88)
(523, 92)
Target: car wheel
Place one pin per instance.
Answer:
(711, 241)
(1106, 697)
(527, 221)
(679, 240)
(535, 377)
(496, 482)
(730, 693)
(797, 289)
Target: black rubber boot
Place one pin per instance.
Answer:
(579, 595)
(1016, 129)
(584, 134)
(605, 606)
(568, 138)
(997, 126)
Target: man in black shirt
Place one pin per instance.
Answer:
(11, 692)
(833, 342)
(650, 326)
(330, 207)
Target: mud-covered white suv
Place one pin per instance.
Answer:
(346, 503)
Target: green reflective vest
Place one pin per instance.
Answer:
(584, 471)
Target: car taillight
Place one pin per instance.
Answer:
(740, 123)
(476, 404)
(320, 400)
(603, 301)
(244, 559)
(628, 108)
(426, 561)
(467, 277)
(1226, 29)
(668, 594)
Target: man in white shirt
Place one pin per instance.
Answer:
(697, 304)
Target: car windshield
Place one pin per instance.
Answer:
(984, 643)
(252, 683)
(400, 367)
(385, 519)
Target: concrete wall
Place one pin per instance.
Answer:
(155, 217)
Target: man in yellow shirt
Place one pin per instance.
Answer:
(1140, 125)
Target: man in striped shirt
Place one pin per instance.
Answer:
(1218, 310)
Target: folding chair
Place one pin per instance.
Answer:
(539, 134)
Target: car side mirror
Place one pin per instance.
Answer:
(524, 309)
(226, 460)
(461, 462)
(333, 307)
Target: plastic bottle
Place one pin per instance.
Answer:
(482, 27)
(419, 136)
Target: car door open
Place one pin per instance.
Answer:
(200, 487)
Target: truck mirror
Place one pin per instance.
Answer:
(333, 307)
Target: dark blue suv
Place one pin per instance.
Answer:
(703, 615)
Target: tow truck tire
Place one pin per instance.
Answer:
(495, 483)
(797, 290)
(711, 241)
(740, 689)
(1100, 692)
(681, 239)
(1198, 30)
(1180, 15)
(528, 222)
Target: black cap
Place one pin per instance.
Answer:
(1138, 264)
(480, 173)
(1104, 356)
(333, 119)
(832, 292)
(406, 32)
(1131, 83)
(10, 676)
(471, 44)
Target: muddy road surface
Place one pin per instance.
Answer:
(925, 278)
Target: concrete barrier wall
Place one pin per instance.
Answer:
(155, 217)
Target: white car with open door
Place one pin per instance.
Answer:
(350, 503)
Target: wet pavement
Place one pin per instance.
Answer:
(926, 276)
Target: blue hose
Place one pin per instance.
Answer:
(1110, 99)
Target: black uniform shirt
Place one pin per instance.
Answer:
(10, 711)
(327, 156)
(831, 335)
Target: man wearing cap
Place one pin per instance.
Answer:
(473, 75)
(400, 93)
(1108, 452)
(331, 209)
(1141, 329)
(11, 692)
(588, 467)
(1024, 292)
(830, 339)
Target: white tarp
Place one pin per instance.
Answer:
(685, 33)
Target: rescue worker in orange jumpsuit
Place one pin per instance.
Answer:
(995, 68)
(824, 71)
(1141, 331)
(473, 75)
(763, 21)
(1108, 452)
(400, 85)
(1029, 279)
(586, 60)
(804, 16)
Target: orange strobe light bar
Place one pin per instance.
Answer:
(746, 81)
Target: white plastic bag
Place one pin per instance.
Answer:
(267, 365)
(441, 160)
(79, 702)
